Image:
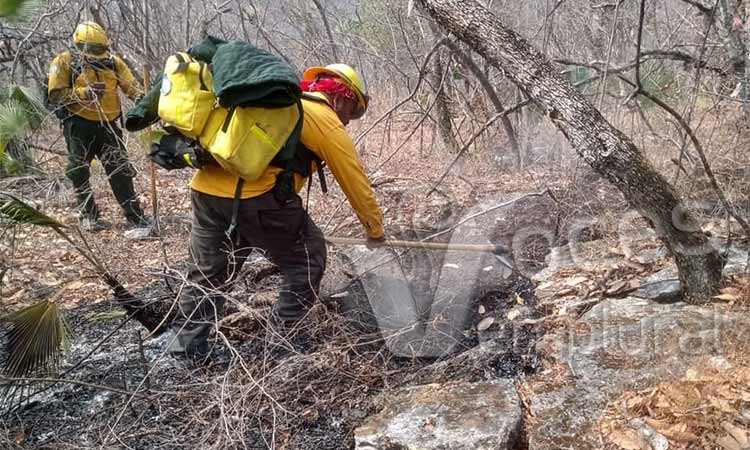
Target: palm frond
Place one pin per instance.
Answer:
(19, 212)
(21, 10)
(32, 101)
(36, 339)
(15, 121)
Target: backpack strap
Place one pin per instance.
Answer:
(184, 60)
(200, 76)
(296, 158)
(320, 164)
(289, 150)
(235, 207)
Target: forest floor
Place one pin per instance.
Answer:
(118, 388)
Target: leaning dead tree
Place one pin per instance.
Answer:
(605, 148)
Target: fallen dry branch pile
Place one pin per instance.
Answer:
(132, 393)
(324, 393)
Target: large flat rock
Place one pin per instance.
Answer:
(619, 345)
(468, 416)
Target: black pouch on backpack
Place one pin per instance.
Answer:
(175, 151)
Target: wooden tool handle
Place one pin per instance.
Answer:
(152, 166)
(487, 248)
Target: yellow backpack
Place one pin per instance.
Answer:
(243, 140)
(187, 96)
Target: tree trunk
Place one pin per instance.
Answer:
(438, 78)
(732, 42)
(746, 48)
(188, 19)
(605, 148)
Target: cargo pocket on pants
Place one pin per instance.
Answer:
(286, 222)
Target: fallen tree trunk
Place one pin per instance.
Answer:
(605, 148)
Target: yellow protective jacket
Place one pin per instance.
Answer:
(72, 93)
(325, 135)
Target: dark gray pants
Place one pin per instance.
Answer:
(88, 140)
(290, 239)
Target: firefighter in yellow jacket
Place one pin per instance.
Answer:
(83, 84)
(334, 96)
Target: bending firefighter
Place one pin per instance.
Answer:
(83, 84)
(268, 219)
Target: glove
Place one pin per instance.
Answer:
(174, 151)
(373, 243)
(164, 159)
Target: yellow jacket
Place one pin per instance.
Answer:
(73, 94)
(325, 135)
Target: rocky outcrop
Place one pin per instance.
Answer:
(619, 345)
(468, 416)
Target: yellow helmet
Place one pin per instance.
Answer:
(349, 76)
(90, 33)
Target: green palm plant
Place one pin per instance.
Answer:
(31, 100)
(21, 112)
(13, 124)
(21, 10)
(37, 334)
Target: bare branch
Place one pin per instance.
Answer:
(701, 7)
(491, 93)
(406, 99)
(696, 143)
(327, 27)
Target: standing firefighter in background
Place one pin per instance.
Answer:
(271, 216)
(83, 84)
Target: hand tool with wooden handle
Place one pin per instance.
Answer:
(486, 248)
(152, 166)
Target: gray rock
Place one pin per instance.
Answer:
(580, 255)
(469, 416)
(736, 260)
(476, 364)
(140, 234)
(586, 255)
(650, 255)
(662, 286)
(656, 440)
(619, 345)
